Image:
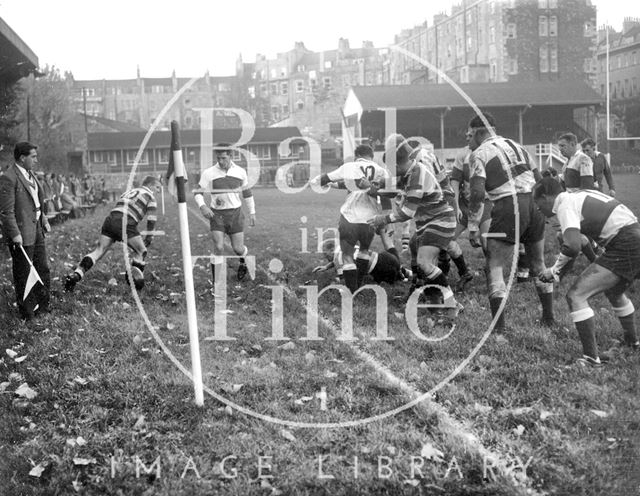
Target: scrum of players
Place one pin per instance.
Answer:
(493, 179)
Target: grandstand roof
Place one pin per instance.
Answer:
(189, 137)
(16, 58)
(545, 93)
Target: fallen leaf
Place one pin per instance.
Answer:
(226, 311)
(11, 353)
(545, 415)
(330, 375)
(25, 391)
(430, 452)
(412, 482)
(170, 326)
(20, 359)
(288, 435)
(228, 410)
(112, 282)
(287, 346)
(4, 385)
(37, 470)
(139, 423)
(600, 413)
(482, 408)
(80, 380)
(80, 441)
(519, 431)
(83, 461)
(77, 486)
(236, 387)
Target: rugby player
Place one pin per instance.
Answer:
(226, 182)
(130, 209)
(360, 205)
(422, 199)
(491, 157)
(613, 226)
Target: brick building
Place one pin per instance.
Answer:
(139, 101)
(499, 41)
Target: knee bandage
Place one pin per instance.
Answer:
(497, 289)
(544, 287)
(453, 249)
(580, 315)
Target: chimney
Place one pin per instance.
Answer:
(630, 23)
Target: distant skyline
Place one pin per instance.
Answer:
(96, 40)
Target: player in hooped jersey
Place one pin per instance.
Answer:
(226, 182)
(613, 226)
(131, 208)
(490, 159)
(422, 199)
(359, 206)
(577, 172)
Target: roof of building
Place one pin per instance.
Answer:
(189, 137)
(120, 126)
(547, 93)
(16, 58)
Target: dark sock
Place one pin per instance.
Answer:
(86, 263)
(587, 332)
(461, 265)
(629, 325)
(546, 299)
(242, 262)
(443, 262)
(494, 303)
(588, 252)
(362, 266)
(213, 274)
(441, 280)
(394, 252)
(351, 279)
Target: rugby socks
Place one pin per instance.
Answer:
(461, 265)
(494, 304)
(244, 254)
(85, 265)
(443, 262)
(585, 323)
(626, 315)
(350, 273)
(362, 268)
(438, 278)
(545, 293)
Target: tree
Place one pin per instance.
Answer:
(8, 123)
(51, 118)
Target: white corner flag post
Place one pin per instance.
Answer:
(180, 180)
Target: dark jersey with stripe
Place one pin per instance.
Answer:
(136, 203)
(596, 215)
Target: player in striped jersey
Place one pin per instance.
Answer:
(577, 172)
(360, 205)
(614, 227)
(492, 156)
(131, 208)
(423, 152)
(226, 182)
(423, 201)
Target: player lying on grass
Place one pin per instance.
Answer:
(614, 227)
(129, 211)
(383, 267)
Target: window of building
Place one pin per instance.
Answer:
(299, 86)
(274, 73)
(553, 4)
(590, 28)
(263, 89)
(513, 65)
(627, 89)
(89, 92)
(543, 4)
(326, 83)
(492, 7)
(543, 26)
(464, 74)
(284, 87)
(163, 156)
(285, 109)
(301, 68)
(544, 58)
(634, 57)
(236, 155)
(602, 89)
(98, 157)
(131, 157)
(273, 88)
(553, 26)
(283, 72)
(275, 110)
(299, 104)
(222, 87)
(492, 34)
(156, 88)
(112, 158)
(553, 58)
(261, 151)
(634, 86)
(493, 71)
(328, 64)
(511, 30)
(252, 91)
(346, 80)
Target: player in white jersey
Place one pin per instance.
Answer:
(226, 182)
(616, 228)
(359, 206)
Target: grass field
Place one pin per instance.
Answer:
(520, 418)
